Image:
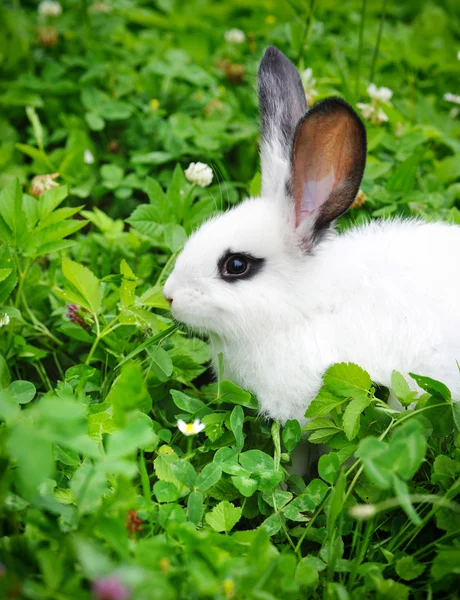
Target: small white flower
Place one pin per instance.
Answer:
(309, 82)
(381, 117)
(458, 55)
(49, 8)
(199, 173)
(367, 110)
(235, 36)
(452, 98)
(382, 94)
(190, 428)
(307, 76)
(88, 157)
(363, 511)
(4, 319)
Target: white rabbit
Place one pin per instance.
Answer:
(283, 296)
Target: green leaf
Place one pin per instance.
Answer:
(184, 472)
(433, 387)
(401, 389)
(229, 392)
(324, 402)
(445, 471)
(456, 414)
(291, 434)
(33, 454)
(447, 562)
(245, 484)
(5, 375)
(371, 451)
(255, 461)
(208, 477)
(347, 380)
(137, 434)
(165, 491)
(236, 425)
(322, 430)
(50, 200)
(223, 517)
(128, 393)
(306, 574)
(185, 402)
(128, 284)
(328, 467)
(89, 485)
(22, 391)
(12, 213)
(402, 493)
(154, 297)
(407, 449)
(408, 568)
(112, 175)
(36, 125)
(160, 207)
(352, 414)
(160, 362)
(87, 284)
(272, 524)
(336, 505)
(195, 507)
(95, 121)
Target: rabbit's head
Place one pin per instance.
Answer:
(240, 269)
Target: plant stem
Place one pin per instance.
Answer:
(22, 277)
(377, 45)
(361, 552)
(360, 47)
(165, 268)
(307, 29)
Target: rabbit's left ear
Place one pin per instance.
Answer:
(328, 160)
(282, 104)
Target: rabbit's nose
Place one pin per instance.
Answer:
(169, 300)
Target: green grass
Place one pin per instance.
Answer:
(98, 485)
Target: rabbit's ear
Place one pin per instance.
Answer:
(328, 160)
(282, 104)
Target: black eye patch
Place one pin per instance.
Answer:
(238, 265)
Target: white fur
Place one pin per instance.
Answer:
(385, 296)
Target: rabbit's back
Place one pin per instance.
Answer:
(391, 291)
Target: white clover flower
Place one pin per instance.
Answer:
(4, 319)
(309, 82)
(190, 428)
(373, 111)
(88, 157)
(381, 116)
(363, 511)
(367, 110)
(199, 173)
(234, 36)
(49, 8)
(382, 94)
(452, 98)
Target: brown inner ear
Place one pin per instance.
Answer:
(328, 140)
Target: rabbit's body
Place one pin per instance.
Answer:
(375, 296)
(283, 296)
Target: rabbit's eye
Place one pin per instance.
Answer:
(238, 266)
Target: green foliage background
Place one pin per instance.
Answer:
(97, 482)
